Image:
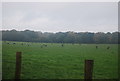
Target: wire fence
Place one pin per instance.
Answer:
(18, 65)
(8, 61)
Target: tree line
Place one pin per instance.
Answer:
(61, 37)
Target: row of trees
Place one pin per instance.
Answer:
(61, 37)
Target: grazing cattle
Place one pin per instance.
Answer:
(14, 43)
(108, 47)
(62, 45)
(96, 47)
(41, 46)
(45, 45)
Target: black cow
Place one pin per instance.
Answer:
(62, 45)
(14, 43)
(108, 47)
(96, 47)
(45, 45)
(41, 46)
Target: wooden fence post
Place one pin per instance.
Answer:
(88, 70)
(18, 65)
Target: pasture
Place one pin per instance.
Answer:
(59, 62)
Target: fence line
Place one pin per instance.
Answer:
(88, 69)
(7, 61)
(18, 65)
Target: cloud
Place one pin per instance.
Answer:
(61, 16)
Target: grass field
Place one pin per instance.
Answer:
(57, 62)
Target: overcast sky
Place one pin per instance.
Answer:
(61, 16)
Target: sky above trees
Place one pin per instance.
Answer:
(61, 16)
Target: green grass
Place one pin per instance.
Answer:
(57, 62)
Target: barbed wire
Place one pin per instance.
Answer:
(7, 61)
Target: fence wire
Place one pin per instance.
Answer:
(13, 61)
(8, 61)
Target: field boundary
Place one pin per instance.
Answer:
(88, 68)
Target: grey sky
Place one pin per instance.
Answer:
(61, 16)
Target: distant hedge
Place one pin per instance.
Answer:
(61, 37)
